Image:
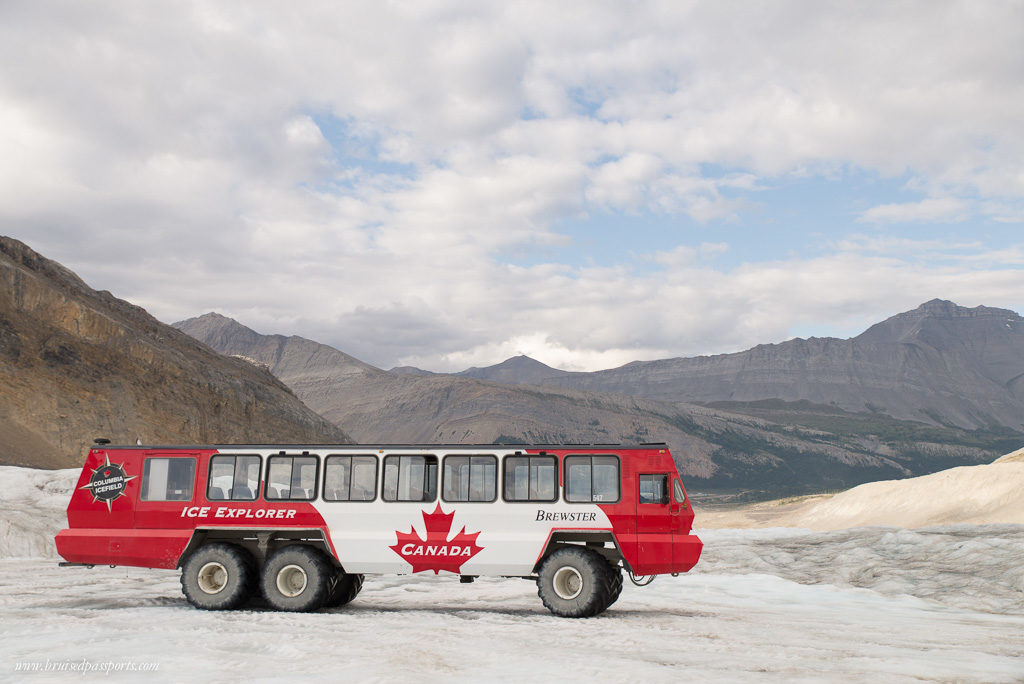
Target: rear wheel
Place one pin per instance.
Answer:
(296, 578)
(346, 588)
(614, 584)
(575, 582)
(217, 577)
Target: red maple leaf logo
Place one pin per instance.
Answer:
(437, 552)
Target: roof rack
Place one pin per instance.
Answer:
(389, 445)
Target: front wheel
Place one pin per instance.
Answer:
(575, 582)
(217, 577)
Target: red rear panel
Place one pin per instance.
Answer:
(104, 522)
(111, 522)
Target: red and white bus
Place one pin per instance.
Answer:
(302, 525)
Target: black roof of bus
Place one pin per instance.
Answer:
(321, 447)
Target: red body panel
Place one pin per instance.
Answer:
(654, 539)
(144, 548)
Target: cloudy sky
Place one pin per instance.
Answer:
(447, 184)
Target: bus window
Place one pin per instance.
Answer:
(531, 478)
(350, 478)
(591, 479)
(168, 479)
(470, 478)
(654, 489)
(291, 478)
(233, 478)
(410, 478)
(677, 492)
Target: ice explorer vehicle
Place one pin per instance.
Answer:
(302, 525)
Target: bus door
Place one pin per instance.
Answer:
(655, 522)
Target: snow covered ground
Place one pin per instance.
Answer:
(943, 603)
(968, 494)
(989, 493)
(32, 510)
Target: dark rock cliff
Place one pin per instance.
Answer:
(77, 364)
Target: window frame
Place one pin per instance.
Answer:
(234, 471)
(497, 478)
(377, 490)
(398, 485)
(565, 478)
(504, 478)
(316, 478)
(144, 485)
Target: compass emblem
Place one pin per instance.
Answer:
(107, 482)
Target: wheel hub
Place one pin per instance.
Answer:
(291, 580)
(212, 578)
(567, 582)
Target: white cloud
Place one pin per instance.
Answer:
(684, 255)
(172, 154)
(932, 210)
(1005, 212)
(303, 132)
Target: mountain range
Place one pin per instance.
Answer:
(771, 444)
(76, 364)
(924, 390)
(940, 364)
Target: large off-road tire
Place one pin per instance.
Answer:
(346, 588)
(218, 577)
(296, 578)
(575, 582)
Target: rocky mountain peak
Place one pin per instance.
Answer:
(409, 370)
(943, 324)
(942, 308)
(291, 357)
(938, 307)
(516, 370)
(214, 318)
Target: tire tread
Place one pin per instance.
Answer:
(236, 560)
(320, 577)
(590, 562)
(346, 588)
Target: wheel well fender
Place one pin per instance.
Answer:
(259, 543)
(600, 541)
